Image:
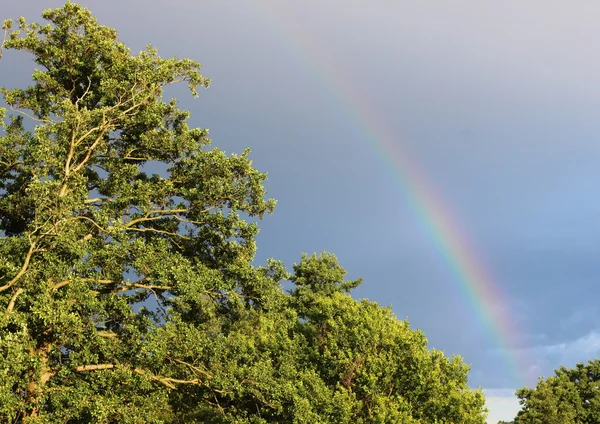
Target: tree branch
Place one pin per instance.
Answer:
(91, 149)
(22, 270)
(167, 381)
(13, 299)
(193, 367)
(70, 155)
(148, 217)
(130, 286)
(87, 90)
(59, 285)
(126, 286)
(95, 367)
(107, 334)
(154, 230)
(94, 200)
(33, 118)
(85, 218)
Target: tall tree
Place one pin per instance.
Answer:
(570, 396)
(130, 297)
(87, 233)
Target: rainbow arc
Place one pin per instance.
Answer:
(434, 216)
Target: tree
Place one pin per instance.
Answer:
(373, 364)
(131, 297)
(88, 233)
(571, 395)
(317, 355)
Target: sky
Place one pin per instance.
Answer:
(359, 115)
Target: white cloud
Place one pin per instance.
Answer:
(543, 359)
(503, 405)
(568, 353)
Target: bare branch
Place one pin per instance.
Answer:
(95, 367)
(22, 270)
(131, 286)
(91, 149)
(125, 285)
(86, 135)
(87, 90)
(189, 221)
(102, 129)
(144, 286)
(141, 159)
(148, 216)
(59, 285)
(12, 108)
(85, 218)
(70, 155)
(165, 380)
(154, 230)
(107, 334)
(193, 367)
(94, 200)
(13, 299)
(46, 376)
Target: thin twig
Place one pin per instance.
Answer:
(167, 381)
(87, 90)
(46, 121)
(147, 216)
(193, 367)
(85, 218)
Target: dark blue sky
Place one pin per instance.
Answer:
(497, 101)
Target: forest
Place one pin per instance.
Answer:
(128, 296)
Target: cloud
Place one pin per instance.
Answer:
(503, 405)
(541, 360)
(568, 353)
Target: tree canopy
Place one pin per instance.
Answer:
(128, 296)
(570, 396)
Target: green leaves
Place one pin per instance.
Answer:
(383, 368)
(132, 297)
(322, 274)
(86, 234)
(571, 395)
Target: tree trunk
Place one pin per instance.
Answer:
(35, 386)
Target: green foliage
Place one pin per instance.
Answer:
(570, 396)
(130, 298)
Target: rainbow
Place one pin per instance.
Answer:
(473, 278)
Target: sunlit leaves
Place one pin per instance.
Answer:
(128, 290)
